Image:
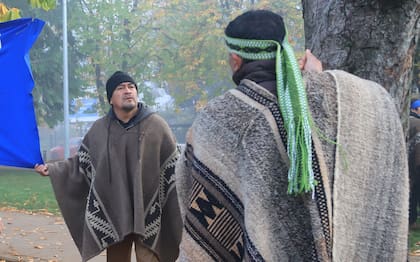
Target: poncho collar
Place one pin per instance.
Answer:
(142, 112)
(414, 114)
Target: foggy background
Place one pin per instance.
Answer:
(173, 49)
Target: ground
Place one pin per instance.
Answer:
(34, 237)
(37, 237)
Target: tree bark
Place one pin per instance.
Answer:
(373, 39)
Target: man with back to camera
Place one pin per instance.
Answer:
(414, 160)
(119, 189)
(279, 169)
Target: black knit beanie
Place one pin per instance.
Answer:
(117, 78)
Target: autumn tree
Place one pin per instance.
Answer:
(47, 59)
(373, 39)
(11, 12)
(190, 49)
(174, 45)
(178, 45)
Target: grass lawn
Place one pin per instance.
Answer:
(414, 239)
(27, 190)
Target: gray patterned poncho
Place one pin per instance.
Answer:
(232, 178)
(121, 182)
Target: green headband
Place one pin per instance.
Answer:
(293, 105)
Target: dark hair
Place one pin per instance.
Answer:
(257, 24)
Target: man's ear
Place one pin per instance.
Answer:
(235, 62)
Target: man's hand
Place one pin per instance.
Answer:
(41, 169)
(310, 63)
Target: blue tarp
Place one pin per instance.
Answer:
(19, 139)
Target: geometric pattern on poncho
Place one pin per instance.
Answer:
(85, 165)
(154, 211)
(98, 221)
(96, 217)
(319, 192)
(215, 220)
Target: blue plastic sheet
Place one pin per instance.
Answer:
(19, 138)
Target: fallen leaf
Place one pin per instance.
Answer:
(13, 253)
(415, 253)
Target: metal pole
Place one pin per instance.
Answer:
(65, 83)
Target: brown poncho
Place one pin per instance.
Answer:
(232, 178)
(121, 182)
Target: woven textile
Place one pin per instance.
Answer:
(232, 178)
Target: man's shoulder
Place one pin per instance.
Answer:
(154, 117)
(342, 77)
(155, 121)
(246, 92)
(99, 124)
(215, 103)
(231, 109)
(101, 120)
(414, 121)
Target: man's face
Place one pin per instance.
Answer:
(417, 110)
(124, 97)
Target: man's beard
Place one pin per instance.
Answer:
(128, 107)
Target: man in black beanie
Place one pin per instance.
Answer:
(119, 189)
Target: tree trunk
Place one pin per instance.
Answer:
(373, 39)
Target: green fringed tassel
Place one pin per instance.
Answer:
(295, 110)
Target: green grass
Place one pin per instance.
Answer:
(27, 190)
(414, 237)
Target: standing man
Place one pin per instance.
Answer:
(119, 189)
(414, 160)
(275, 170)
